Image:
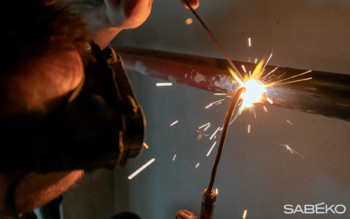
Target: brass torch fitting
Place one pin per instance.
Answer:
(208, 204)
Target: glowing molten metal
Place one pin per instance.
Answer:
(254, 89)
(254, 93)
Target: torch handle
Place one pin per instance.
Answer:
(208, 204)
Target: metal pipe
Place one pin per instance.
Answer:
(326, 94)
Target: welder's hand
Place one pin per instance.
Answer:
(194, 3)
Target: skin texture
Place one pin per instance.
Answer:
(52, 77)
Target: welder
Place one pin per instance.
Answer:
(66, 102)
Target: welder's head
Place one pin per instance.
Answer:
(60, 96)
(63, 107)
(42, 46)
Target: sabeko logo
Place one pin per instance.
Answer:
(321, 208)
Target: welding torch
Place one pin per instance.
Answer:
(209, 195)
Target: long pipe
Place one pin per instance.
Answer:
(326, 94)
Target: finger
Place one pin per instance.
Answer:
(193, 3)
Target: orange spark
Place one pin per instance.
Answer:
(189, 21)
(244, 214)
(145, 145)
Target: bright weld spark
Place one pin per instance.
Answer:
(206, 125)
(141, 169)
(253, 94)
(174, 157)
(254, 88)
(270, 101)
(263, 69)
(167, 84)
(197, 165)
(291, 150)
(265, 108)
(217, 191)
(244, 214)
(248, 128)
(236, 116)
(249, 42)
(289, 122)
(279, 76)
(219, 94)
(235, 76)
(211, 149)
(256, 60)
(243, 67)
(145, 145)
(174, 123)
(273, 70)
(254, 112)
(212, 136)
(295, 81)
(213, 103)
(286, 79)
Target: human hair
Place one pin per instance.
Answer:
(32, 31)
(37, 28)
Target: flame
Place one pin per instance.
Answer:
(255, 90)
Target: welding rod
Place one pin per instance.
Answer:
(213, 38)
(326, 94)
